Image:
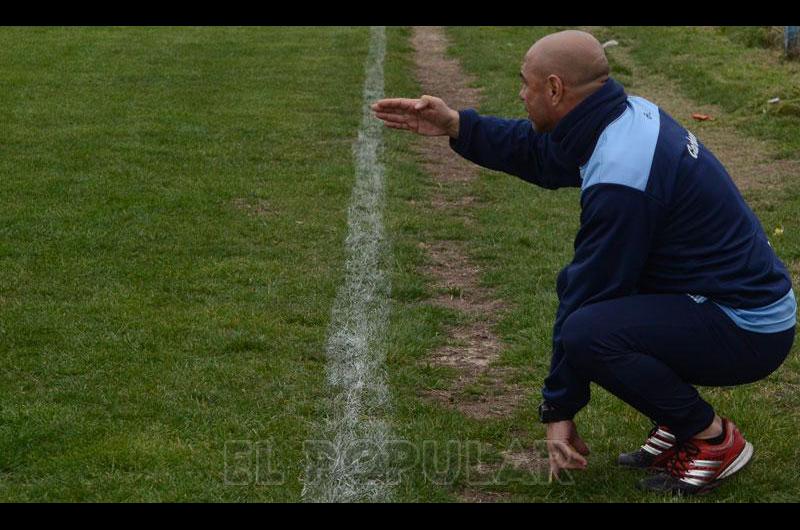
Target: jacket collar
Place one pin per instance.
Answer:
(577, 132)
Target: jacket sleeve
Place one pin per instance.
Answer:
(512, 146)
(611, 248)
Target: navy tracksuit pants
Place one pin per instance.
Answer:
(649, 350)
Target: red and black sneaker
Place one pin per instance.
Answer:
(654, 454)
(698, 466)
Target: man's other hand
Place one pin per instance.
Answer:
(428, 116)
(565, 447)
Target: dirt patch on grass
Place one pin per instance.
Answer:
(441, 202)
(481, 496)
(751, 162)
(481, 389)
(531, 462)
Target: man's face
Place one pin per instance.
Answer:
(534, 94)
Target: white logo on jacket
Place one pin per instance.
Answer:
(693, 147)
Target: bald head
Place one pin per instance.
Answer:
(560, 71)
(574, 56)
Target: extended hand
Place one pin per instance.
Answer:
(428, 116)
(565, 447)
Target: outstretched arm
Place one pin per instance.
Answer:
(511, 146)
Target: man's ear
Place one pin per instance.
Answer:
(555, 89)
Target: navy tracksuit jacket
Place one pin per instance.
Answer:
(659, 214)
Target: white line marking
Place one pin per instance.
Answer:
(353, 464)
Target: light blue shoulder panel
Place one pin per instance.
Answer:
(624, 151)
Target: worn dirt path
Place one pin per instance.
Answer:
(474, 348)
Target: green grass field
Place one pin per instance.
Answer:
(174, 206)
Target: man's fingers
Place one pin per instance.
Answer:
(553, 474)
(395, 122)
(394, 104)
(389, 104)
(566, 456)
(398, 118)
(394, 125)
(557, 463)
(581, 446)
(405, 104)
(575, 459)
(559, 460)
